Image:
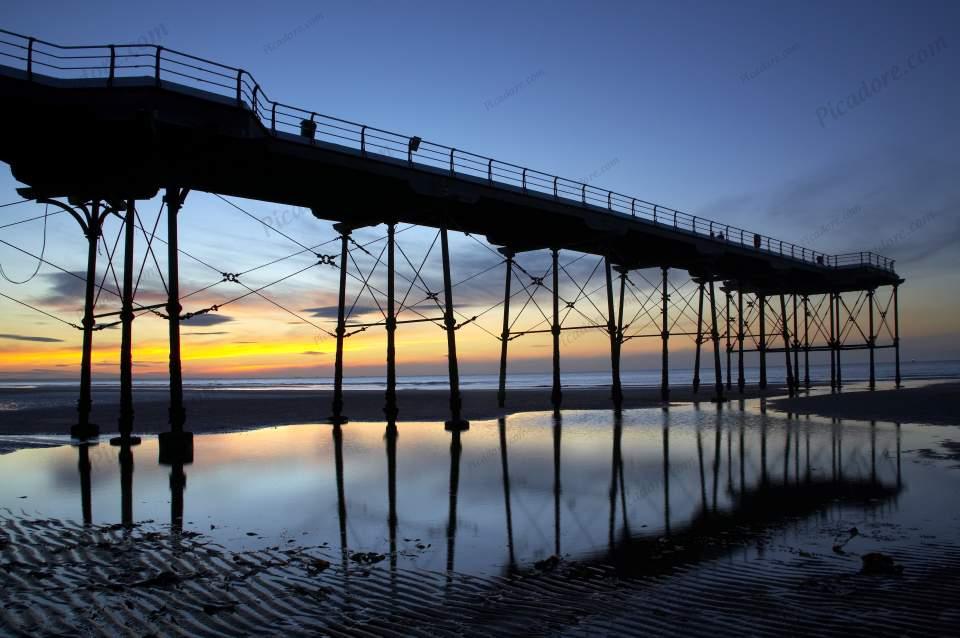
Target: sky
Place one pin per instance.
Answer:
(832, 125)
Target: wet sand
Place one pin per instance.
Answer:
(50, 411)
(937, 403)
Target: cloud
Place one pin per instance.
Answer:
(313, 352)
(330, 312)
(208, 333)
(207, 320)
(13, 337)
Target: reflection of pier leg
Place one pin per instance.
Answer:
(615, 390)
(556, 395)
(557, 429)
(178, 483)
(740, 336)
(696, 358)
(341, 498)
(786, 344)
(896, 335)
(390, 409)
(337, 417)
(126, 486)
(126, 334)
(898, 454)
(703, 478)
(716, 460)
(83, 465)
(505, 333)
(391, 440)
(762, 300)
(715, 335)
(505, 467)
(871, 340)
(763, 452)
(614, 478)
(873, 451)
(455, 451)
(456, 420)
(665, 338)
(666, 474)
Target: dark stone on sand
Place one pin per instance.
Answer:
(367, 558)
(216, 608)
(876, 563)
(547, 564)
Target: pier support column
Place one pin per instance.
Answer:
(84, 429)
(126, 334)
(126, 485)
(796, 346)
(762, 300)
(337, 417)
(456, 423)
(806, 342)
(871, 341)
(786, 345)
(556, 396)
(390, 407)
(715, 335)
(505, 333)
(696, 359)
(833, 344)
(740, 335)
(616, 391)
(896, 338)
(176, 446)
(839, 343)
(727, 323)
(665, 338)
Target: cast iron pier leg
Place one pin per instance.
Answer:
(390, 409)
(729, 347)
(839, 345)
(833, 345)
(665, 338)
(505, 333)
(715, 334)
(740, 380)
(615, 389)
(763, 341)
(796, 346)
(337, 417)
(556, 396)
(696, 360)
(84, 429)
(786, 345)
(806, 342)
(896, 337)
(871, 341)
(456, 422)
(176, 446)
(126, 334)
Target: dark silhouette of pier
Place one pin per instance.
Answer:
(94, 129)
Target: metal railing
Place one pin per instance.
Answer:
(119, 64)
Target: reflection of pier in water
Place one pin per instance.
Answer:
(744, 476)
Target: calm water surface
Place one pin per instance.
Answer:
(508, 493)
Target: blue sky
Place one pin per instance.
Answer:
(713, 108)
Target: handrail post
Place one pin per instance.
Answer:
(555, 187)
(633, 209)
(113, 64)
(583, 195)
(156, 67)
(363, 140)
(523, 180)
(452, 171)
(273, 117)
(490, 171)
(609, 204)
(30, 42)
(239, 78)
(674, 219)
(253, 100)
